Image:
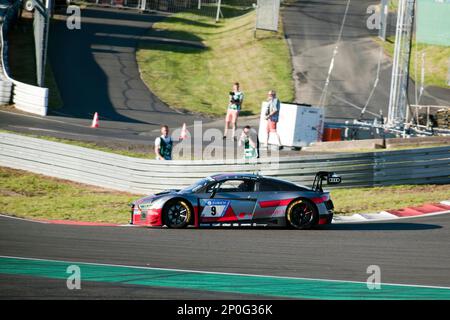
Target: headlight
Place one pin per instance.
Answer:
(144, 206)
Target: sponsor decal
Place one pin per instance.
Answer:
(215, 208)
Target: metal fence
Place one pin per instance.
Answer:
(210, 8)
(144, 176)
(26, 97)
(6, 14)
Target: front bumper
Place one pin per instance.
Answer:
(150, 217)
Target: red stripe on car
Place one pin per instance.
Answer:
(274, 203)
(319, 199)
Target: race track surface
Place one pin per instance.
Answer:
(408, 251)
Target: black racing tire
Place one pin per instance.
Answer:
(177, 214)
(302, 214)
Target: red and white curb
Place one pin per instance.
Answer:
(429, 209)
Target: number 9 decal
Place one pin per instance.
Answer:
(214, 207)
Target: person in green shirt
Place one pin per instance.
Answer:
(236, 98)
(250, 143)
(164, 145)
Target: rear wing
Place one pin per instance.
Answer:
(330, 177)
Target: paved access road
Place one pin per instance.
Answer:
(313, 28)
(408, 251)
(96, 71)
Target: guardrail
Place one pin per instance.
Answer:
(24, 96)
(144, 176)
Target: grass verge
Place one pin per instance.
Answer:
(435, 61)
(357, 200)
(199, 79)
(29, 195)
(22, 61)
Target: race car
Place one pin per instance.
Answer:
(239, 199)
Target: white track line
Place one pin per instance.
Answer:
(23, 219)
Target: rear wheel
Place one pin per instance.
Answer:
(177, 214)
(302, 214)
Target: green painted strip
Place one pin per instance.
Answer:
(243, 284)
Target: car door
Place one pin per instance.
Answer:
(269, 204)
(231, 200)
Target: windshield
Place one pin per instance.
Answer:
(196, 186)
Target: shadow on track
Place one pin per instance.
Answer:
(381, 226)
(373, 226)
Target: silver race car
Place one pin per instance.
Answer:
(239, 199)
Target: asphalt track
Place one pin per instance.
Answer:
(408, 251)
(312, 28)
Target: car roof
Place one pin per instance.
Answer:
(241, 175)
(237, 175)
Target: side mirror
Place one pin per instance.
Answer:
(214, 191)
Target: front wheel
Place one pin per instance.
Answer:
(177, 214)
(302, 214)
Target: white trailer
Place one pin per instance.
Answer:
(298, 125)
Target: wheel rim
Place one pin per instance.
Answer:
(301, 214)
(177, 214)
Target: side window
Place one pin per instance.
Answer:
(289, 187)
(238, 185)
(266, 185)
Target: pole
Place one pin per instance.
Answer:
(199, 5)
(143, 5)
(219, 3)
(398, 100)
(383, 19)
(48, 8)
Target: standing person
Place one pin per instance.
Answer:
(250, 143)
(272, 113)
(234, 106)
(164, 144)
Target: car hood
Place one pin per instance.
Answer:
(153, 197)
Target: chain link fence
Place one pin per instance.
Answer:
(210, 8)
